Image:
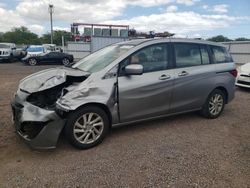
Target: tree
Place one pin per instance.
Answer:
(20, 35)
(219, 38)
(57, 37)
(242, 39)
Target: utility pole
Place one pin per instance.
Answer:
(51, 10)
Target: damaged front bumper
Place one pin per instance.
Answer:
(39, 127)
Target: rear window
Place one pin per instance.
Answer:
(187, 55)
(35, 49)
(220, 54)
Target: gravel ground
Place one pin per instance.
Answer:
(181, 151)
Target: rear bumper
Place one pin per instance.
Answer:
(40, 128)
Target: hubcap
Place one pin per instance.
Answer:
(216, 104)
(32, 62)
(65, 61)
(88, 128)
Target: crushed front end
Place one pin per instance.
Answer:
(34, 111)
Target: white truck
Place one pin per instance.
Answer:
(7, 51)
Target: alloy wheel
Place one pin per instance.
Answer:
(216, 104)
(88, 128)
(65, 61)
(32, 62)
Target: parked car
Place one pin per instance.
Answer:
(126, 82)
(52, 48)
(20, 52)
(6, 51)
(37, 55)
(243, 79)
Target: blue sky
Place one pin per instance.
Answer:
(186, 18)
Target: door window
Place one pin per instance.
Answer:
(204, 55)
(187, 55)
(153, 58)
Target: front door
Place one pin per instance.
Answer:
(147, 95)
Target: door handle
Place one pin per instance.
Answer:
(183, 73)
(164, 77)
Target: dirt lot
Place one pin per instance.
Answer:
(181, 151)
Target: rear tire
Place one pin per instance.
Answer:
(32, 62)
(214, 104)
(87, 127)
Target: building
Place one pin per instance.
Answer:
(240, 51)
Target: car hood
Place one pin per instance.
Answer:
(49, 78)
(245, 68)
(5, 49)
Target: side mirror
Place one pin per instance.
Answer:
(134, 69)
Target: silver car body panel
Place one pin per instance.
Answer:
(47, 79)
(127, 98)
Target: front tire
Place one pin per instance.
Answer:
(214, 104)
(66, 61)
(87, 127)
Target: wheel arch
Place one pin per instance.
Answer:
(99, 105)
(224, 90)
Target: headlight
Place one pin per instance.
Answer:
(6, 53)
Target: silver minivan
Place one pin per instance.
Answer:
(126, 82)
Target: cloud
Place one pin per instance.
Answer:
(34, 14)
(76, 11)
(179, 22)
(172, 8)
(9, 19)
(187, 2)
(148, 3)
(36, 11)
(38, 29)
(219, 9)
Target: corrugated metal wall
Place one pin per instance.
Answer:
(78, 49)
(82, 49)
(100, 42)
(240, 51)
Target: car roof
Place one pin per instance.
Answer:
(136, 42)
(6, 43)
(35, 46)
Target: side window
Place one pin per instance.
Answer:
(220, 54)
(187, 55)
(153, 58)
(54, 54)
(204, 55)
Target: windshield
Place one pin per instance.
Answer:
(4, 46)
(35, 49)
(102, 58)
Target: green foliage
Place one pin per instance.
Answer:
(219, 38)
(242, 39)
(57, 37)
(21, 35)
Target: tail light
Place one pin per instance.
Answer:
(234, 72)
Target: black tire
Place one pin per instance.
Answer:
(207, 107)
(71, 127)
(32, 62)
(66, 61)
(11, 59)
